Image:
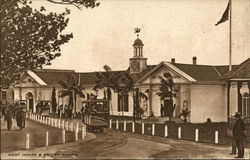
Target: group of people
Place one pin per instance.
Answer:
(65, 112)
(15, 113)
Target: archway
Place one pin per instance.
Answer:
(30, 101)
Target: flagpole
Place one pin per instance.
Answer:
(230, 35)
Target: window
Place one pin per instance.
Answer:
(245, 104)
(123, 102)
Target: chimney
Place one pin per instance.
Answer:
(194, 60)
(173, 60)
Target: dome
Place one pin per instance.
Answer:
(138, 42)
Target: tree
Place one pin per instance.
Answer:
(166, 94)
(53, 100)
(107, 80)
(30, 38)
(72, 88)
(129, 86)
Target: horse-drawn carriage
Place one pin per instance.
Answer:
(95, 114)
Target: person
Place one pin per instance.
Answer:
(20, 119)
(66, 111)
(239, 134)
(60, 108)
(8, 118)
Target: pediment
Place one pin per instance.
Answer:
(27, 81)
(178, 76)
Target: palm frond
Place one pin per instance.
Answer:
(65, 93)
(64, 84)
(100, 86)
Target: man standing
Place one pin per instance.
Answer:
(20, 119)
(239, 134)
(8, 118)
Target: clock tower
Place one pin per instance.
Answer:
(138, 63)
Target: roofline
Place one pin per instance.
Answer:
(53, 70)
(242, 65)
(168, 64)
(36, 77)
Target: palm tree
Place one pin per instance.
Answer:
(167, 93)
(108, 81)
(129, 86)
(72, 88)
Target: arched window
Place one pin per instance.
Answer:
(245, 104)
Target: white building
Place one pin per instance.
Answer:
(203, 88)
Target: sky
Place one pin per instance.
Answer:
(177, 29)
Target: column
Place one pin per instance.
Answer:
(239, 85)
(228, 99)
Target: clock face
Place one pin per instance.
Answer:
(135, 66)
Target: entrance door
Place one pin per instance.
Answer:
(30, 101)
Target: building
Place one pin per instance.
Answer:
(208, 91)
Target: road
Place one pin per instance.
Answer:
(110, 144)
(15, 139)
(116, 145)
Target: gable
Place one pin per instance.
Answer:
(243, 71)
(153, 77)
(27, 81)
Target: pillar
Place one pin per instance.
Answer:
(239, 85)
(228, 99)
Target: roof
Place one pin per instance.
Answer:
(138, 42)
(201, 73)
(137, 76)
(52, 76)
(204, 72)
(242, 71)
(90, 78)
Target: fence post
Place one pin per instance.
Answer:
(67, 125)
(77, 127)
(47, 139)
(27, 142)
(179, 132)
(124, 125)
(133, 126)
(153, 129)
(117, 124)
(55, 122)
(110, 123)
(196, 135)
(76, 135)
(72, 126)
(166, 131)
(216, 137)
(142, 128)
(63, 124)
(63, 136)
(59, 123)
(83, 130)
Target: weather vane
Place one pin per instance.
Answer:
(137, 30)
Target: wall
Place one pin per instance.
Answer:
(208, 101)
(233, 99)
(114, 105)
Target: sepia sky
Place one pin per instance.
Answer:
(177, 29)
